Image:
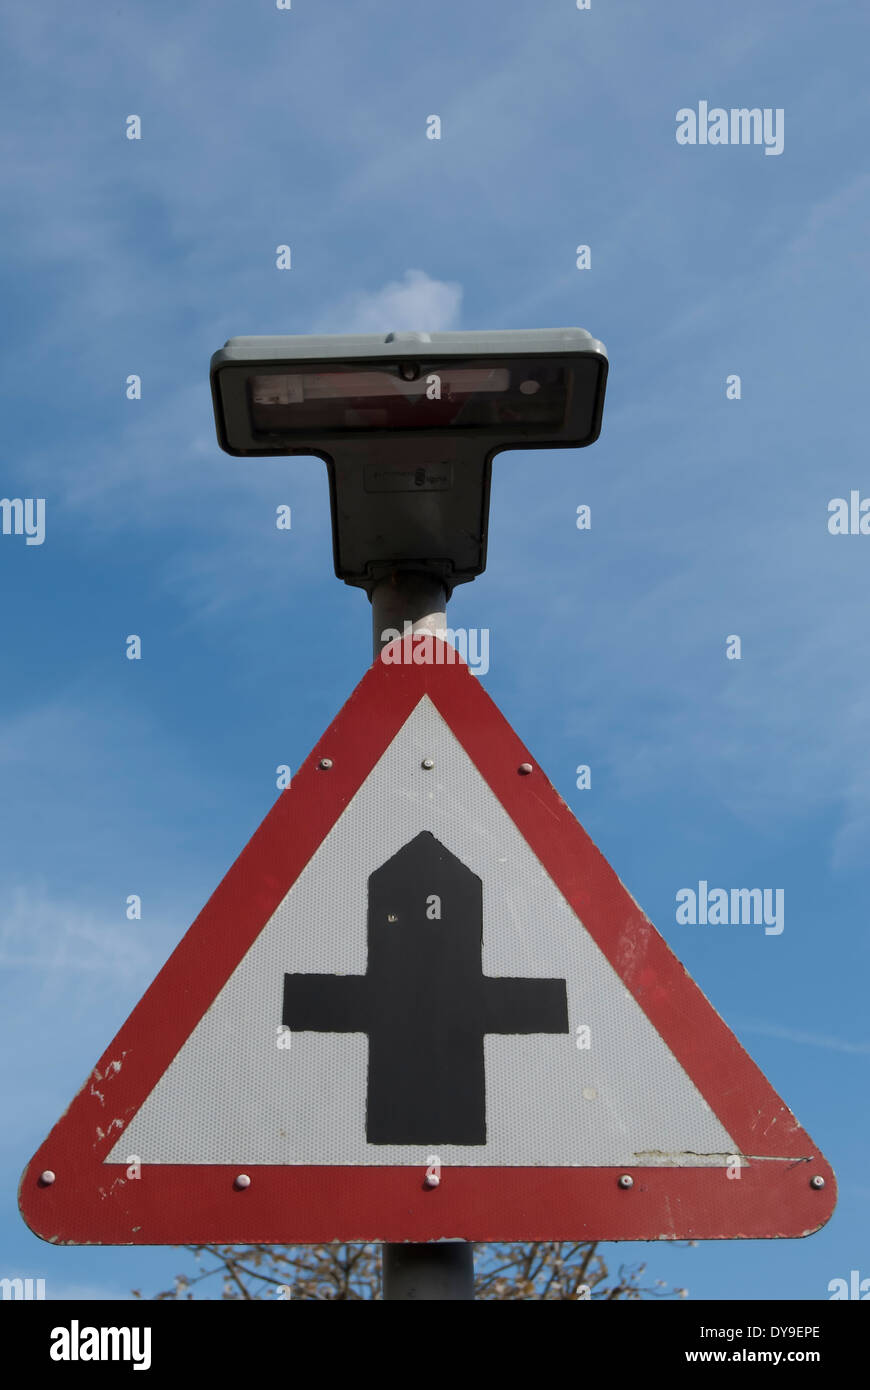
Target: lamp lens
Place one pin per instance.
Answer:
(288, 400)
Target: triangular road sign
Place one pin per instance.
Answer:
(421, 968)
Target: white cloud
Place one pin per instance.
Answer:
(417, 302)
(52, 935)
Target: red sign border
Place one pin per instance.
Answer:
(91, 1202)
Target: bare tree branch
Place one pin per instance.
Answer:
(547, 1270)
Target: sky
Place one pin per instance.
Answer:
(710, 514)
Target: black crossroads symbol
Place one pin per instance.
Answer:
(424, 1001)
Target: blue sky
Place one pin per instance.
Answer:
(709, 516)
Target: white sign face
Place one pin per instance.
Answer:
(247, 1089)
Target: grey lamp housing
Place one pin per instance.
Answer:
(408, 424)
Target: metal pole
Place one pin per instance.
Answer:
(407, 596)
(442, 1270)
(418, 1273)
